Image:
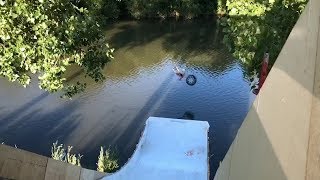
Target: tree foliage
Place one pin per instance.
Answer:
(103, 10)
(139, 9)
(221, 7)
(253, 27)
(44, 37)
(165, 8)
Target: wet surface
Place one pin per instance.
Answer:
(139, 83)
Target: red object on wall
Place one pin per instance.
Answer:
(264, 70)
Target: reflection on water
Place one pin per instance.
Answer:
(188, 115)
(139, 83)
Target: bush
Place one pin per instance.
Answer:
(102, 9)
(161, 8)
(188, 9)
(221, 7)
(107, 161)
(60, 154)
(110, 9)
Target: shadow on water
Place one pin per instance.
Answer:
(125, 143)
(17, 112)
(38, 128)
(183, 38)
(188, 115)
(193, 43)
(138, 86)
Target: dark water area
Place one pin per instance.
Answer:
(139, 83)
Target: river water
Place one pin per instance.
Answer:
(139, 83)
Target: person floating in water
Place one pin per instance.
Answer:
(179, 72)
(190, 80)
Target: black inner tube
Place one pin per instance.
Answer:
(191, 80)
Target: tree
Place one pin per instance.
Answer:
(103, 10)
(187, 9)
(44, 37)
(253, 27)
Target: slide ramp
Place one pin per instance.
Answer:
(168, 149)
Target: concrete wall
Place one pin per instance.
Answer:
(313, 163)
(23, 165)
(273, 142)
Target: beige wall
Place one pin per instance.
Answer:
(273, 141)
(23, 165)
(313, 162)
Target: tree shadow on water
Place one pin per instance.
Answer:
(37, 129)
(126, 139)
(182, 38)
(196, 43)
(24, 108)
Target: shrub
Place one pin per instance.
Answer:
(160, 8)
(107, 161)
(60, 154)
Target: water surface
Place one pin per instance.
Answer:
(139, 83)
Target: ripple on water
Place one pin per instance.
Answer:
(139, 83)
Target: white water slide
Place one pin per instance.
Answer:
(169, 149)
